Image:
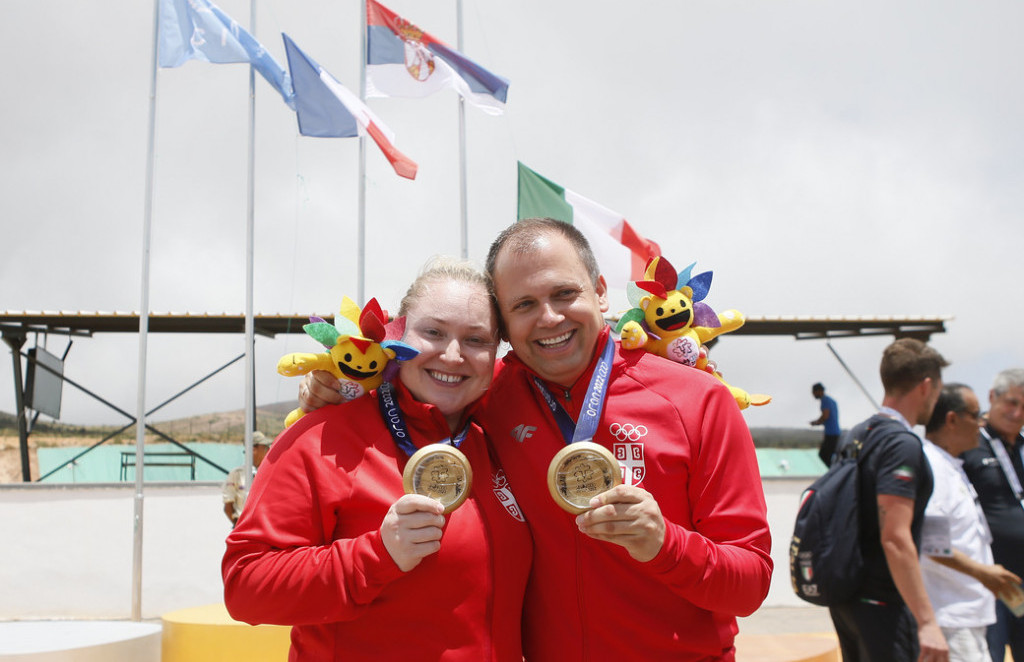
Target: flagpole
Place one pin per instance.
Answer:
(361, 232)
(250, 224)
(463, 201)
(140, 403)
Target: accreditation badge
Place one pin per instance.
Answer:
(579, 472)
(441, 472)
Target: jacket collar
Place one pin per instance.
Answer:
(426, 419)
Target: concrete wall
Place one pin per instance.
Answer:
(782, 497)
(66, 552)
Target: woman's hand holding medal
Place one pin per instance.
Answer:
(411, 530)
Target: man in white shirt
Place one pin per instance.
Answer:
(959, 574)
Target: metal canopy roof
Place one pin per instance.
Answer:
(806, 328)
(86, 324)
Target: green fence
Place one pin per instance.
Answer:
(116, 463)
(112, 463)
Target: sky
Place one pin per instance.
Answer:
(822, 158)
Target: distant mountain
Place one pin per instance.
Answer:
(9, 426)
(226, 426)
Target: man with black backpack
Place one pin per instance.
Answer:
(890, 618)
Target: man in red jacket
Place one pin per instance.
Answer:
(659, 567)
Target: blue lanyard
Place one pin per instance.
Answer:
(395, 420)
(593, 404)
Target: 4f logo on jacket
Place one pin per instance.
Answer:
(522, 432)
(629, 451)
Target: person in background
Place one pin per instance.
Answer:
(891, 619)
(830, 419)
(330, 544)
(956, 561)
(996, 469)
(235, 486)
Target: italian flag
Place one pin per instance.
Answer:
(621, 253)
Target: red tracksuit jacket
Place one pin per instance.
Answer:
(307, 550)
(677, 433)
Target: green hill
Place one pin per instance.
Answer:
(227, 426)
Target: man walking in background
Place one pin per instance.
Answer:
(830, 419)
(891, 619)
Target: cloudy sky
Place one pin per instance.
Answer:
(822, 158)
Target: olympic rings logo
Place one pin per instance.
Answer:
(628, 432)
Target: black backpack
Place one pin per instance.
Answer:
(826, 564)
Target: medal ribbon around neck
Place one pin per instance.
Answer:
(395, 420)
(590, 414)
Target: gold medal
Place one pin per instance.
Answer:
(579, 472)
(441, 472)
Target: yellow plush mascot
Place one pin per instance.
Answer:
(670, 319)
(360, 346)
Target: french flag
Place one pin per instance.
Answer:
(327, 109)
(404, 61)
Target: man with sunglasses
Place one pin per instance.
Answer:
(956, 554)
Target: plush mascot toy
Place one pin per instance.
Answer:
(671, 320)
(360, 347)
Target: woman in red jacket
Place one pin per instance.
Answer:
(329, 543)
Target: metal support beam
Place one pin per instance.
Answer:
(852, 376)
(15, 341)
(132, 419)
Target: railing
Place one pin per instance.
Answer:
(167, 459)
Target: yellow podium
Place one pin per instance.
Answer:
(787, 648)
(209, 634)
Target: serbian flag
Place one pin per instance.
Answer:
(404, 61)
(199, 30)
(326, 109)
(621, 253)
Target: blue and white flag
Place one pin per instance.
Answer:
(327, 109)
(404, 61)
(199, 30)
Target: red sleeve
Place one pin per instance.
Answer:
(724, 563)
(281, 565)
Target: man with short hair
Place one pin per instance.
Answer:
(830, 419)
(659, 567)
(891, 619)
(996, 469)
(957, 565)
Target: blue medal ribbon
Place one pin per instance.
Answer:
(590, 414)
(395, 420)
